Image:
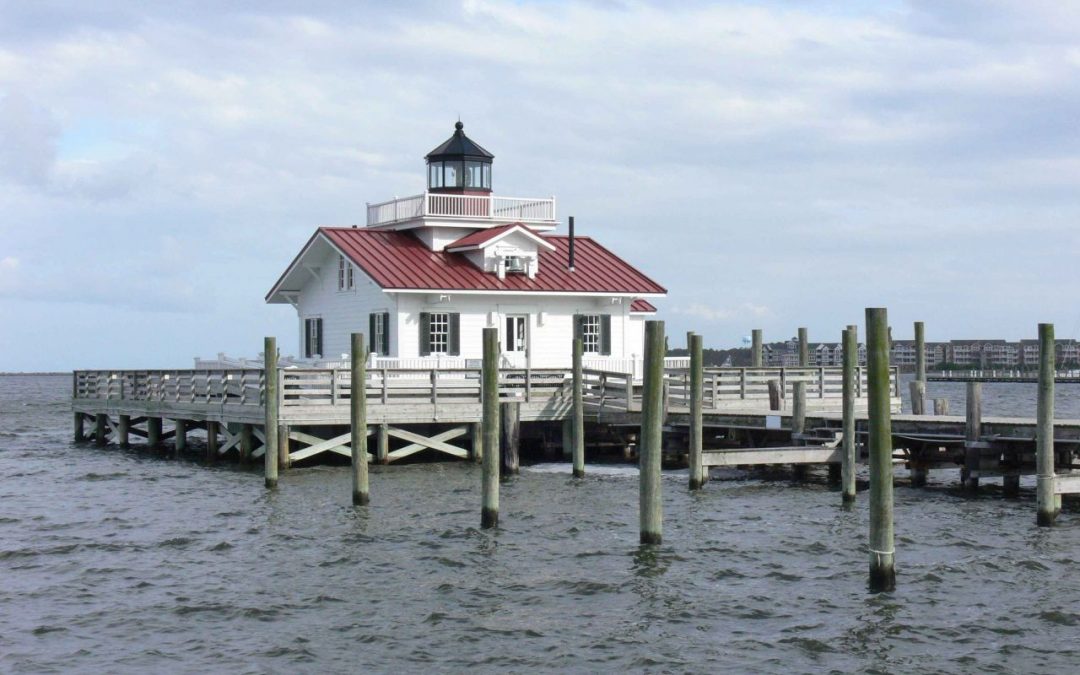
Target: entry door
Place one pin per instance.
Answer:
(516, 336)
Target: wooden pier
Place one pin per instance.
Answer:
(1004, 375)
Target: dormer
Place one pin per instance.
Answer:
(506, 250)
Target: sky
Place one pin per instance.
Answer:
(773, 164)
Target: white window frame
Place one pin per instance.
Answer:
(439, 332)
(345, 277)
(381, 319)
(591, 340)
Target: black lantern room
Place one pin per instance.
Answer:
(459, 166)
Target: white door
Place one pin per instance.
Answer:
(516, 339)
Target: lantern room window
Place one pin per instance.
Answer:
(459, 165)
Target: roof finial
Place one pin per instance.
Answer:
(459, 126)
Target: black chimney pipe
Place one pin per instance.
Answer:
(571, 243)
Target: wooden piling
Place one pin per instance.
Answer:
(123, 430)
(361, 493)
(920, 353)
(382, 444)
(650, 449)
(804, 348)
(972, 434)
(180, 437)
(850, 341)
(941, 406)
(1044, 430)
(697, 392)
(774, 394)
(917, 390)
(510, 437)
(101, 425)
(798, 411)
(80, 434)
(755, 348)
(211, 441)
(247, 442)
(882, 551)
(477, 441)
(578, 429)
(270, 408)
(153, 432)
(489, 512)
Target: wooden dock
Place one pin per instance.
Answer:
(1028, 376)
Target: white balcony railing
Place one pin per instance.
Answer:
(472, 207)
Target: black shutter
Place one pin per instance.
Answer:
(454, 338)
(318, 337)
(605, 335)
(385, 334)
(425, 334)
(372, 346)
(307, 338)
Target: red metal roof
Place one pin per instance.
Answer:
(640, 305)
(482, 236)
(397, 260)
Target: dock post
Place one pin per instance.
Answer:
(153, 432)
(941, 406)
(697, 393)
(755, 348)
(101, 424)
(510, 436)
(489, 512)
(882, 551)
(578, 430)
(211, 441)
(180, 437)
(850, 341)
(798, 423)
(477, 442)
(972, 432)
(804, 348)
(270, 408)
(774, 394)
(247, 442)
(358, 421)
(918, 385)
(80, 435)
(123, 430)
(382, 444)
(1044, 429)
(650, 449)
(284, 460)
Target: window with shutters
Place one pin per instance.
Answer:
(312, 338)
(344, 274)
(590, 333)
(439, 332)
(380, 337)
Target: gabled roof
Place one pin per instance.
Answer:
(484, 238)
(642, 307)
(399, 261)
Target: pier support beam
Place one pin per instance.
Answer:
(1048, 504)
(850, 341)
(247, 442)
(489, 510)
(211, 441)
(972, 434)
(361, 493)
(882, 551)
(477, 435)
(101, 424)
(153, 432)
(180, 437)
(697, 470)
(510, 437)
(578, 430)
(270, 406)
(650, 449)
(382, 444)
(755, 348)
(80, 435)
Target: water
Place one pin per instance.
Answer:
(1003, 399)
(115, 561)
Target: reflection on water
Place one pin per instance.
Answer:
(117, 561)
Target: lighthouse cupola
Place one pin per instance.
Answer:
(459, 166)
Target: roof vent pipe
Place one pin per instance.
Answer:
(571, 261)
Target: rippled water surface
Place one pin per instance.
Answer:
(118, 561)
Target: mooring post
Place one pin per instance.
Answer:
(284, 451)
(489, 512)
(798, 422)
(850, 342)
(270, 408)
(153, 432)
(972, 433)
(804, 348)
(211, 441)
(510, 436)
(755, 348)
(1044, 430)
(80, 435)
(247, 442)
(941, 406)
(650, 448)
(180, 437)
(382, 444)
(101, 425)
(358, 420)
(578, 431)
(697, 392)
(918, 385)
(882, 552)
(123, 430)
